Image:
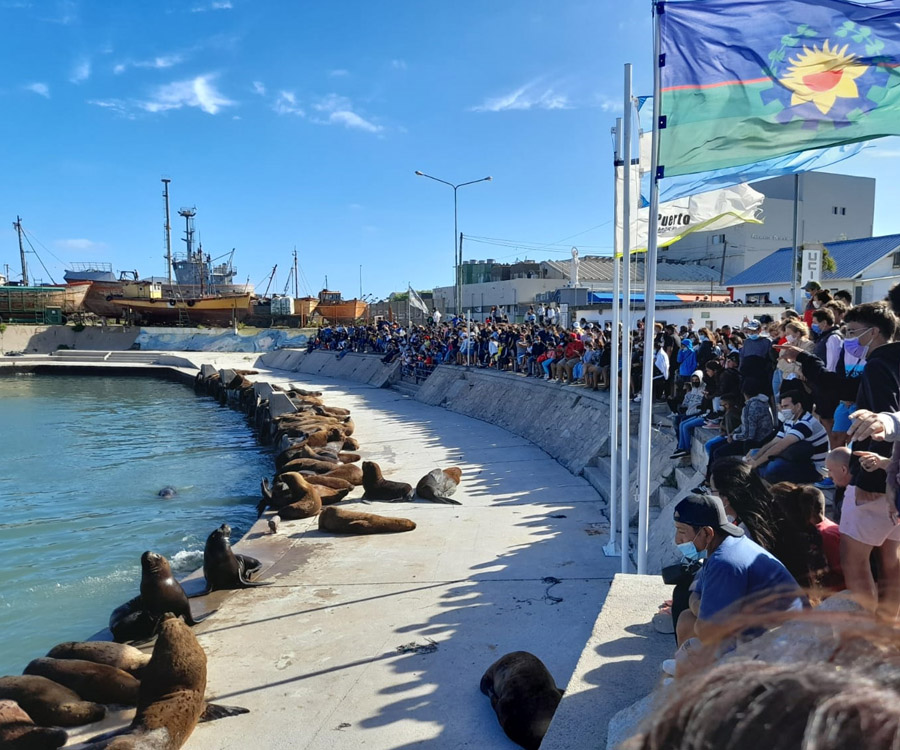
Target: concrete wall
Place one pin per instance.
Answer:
(360, 368)
(570, 424)
(46, 339)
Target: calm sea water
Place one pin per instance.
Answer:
(83, 459)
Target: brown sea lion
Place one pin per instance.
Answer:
(160, 592)
(351, 444)
(437, 485)
(308, 464)
(292, 496)
(18, 731)
(343, 521)
(350, 472)
(524, 696)
(378, 488)
(334, 483)
(99, 683)
(349, 458)
(170, 700)
(332, 411)
(48, 703)
(225, 570)
(119, 655)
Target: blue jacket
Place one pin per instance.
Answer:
(687, 360)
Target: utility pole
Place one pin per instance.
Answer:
(18, 226)
(296, 284)
(168, 228)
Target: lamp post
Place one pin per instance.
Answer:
(457, 252)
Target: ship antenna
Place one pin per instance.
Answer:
(168, 229)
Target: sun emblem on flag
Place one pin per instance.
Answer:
(821, 76)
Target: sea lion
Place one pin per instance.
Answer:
(437, 485)
(170, 699)
(160, 592)
(291, 495)
(18, 731)
(223, 569)
(350, 472)
(48, 703)
(308, 464)
(331, 411)
(119, 655)
(524, 696)
(349, 458)
(99, 683)
(343, 521)
(334, 483)
(167, 492)
(130, 622)
(378, 488)
(351, 444)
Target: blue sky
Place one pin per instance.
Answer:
(302, 123)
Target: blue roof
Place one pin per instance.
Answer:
(852, 257)
(606, 298)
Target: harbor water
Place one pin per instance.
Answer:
(84, 459)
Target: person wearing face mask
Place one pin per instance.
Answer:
(757, 355)
(868, 519)
(737, 575)
(692, 413)
(810, 288)
(797, 452)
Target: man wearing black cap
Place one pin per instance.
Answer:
(736, 572)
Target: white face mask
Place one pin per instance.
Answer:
(786, 415)
(790, 338)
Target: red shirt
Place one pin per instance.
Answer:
(831, 545)
(574, 349)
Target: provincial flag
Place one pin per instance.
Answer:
(415, 300)
(742, 81)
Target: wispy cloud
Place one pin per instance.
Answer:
(338, 110)
(214, 5)
(398, 64)
(286, 104)
(81, 71)
(66, 13)
(42, 89)
(339, 73)
(119, 106)
(14, 4)
(533, 95)
(199, 92)
(259, 88)
(79, 244)
(160, 62)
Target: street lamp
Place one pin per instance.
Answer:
(457, 248)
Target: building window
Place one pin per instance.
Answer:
(718, 239)
(839, 210)
(897, 259)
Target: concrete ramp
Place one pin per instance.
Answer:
(358, 368)
(568, 422)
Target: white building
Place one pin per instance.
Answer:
(867, 268)
(832, 207)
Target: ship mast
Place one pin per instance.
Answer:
(18, 226)
(296, 286)
(166, 182)
(188, 239)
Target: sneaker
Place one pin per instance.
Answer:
(702, 489)
(680, 454)
(637, 399)
(826, 484)
(668, 666)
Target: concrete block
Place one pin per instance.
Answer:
(280, 403)
(227, 375)
(624, 724)
(263, 390)
(207, 371)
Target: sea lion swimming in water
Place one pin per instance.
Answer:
(437, 485)
(99, 683)
(223, 569)
(48, 703)
(18, 731)
(167, 492)
(171, 697)
(524, 696)
(343, 521)
(378, 488)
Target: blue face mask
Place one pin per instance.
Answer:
(690, 552)
(816, 328)
(753, 336)
(854, 348)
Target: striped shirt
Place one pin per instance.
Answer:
(810, 429)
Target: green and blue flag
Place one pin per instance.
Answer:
(742, 81)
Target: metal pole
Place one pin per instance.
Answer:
(795, 292)
(612, 548)
(168, 230)
(457, 251)
(649, 322)
(626, 319)
(18, 226)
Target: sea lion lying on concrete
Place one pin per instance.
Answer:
(291, 495)
(48, 703)
(130, 622)
(524, 696)
(379, 488)
(351, 444)
(18, 731)
(350, 472)
(334, 483)
(99, 683)
(437, 485)
(223, 569)
(119, 655)
(343, 521)
(308, 464)
(170, 699)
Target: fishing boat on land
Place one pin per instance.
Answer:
(335, 309)
(144, 303)
(41, 304)
(104, 283)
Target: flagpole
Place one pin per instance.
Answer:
(626, 319)
(612, 548)
(649, 318)
(795, 293)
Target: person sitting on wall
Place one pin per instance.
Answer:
(797, 452)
